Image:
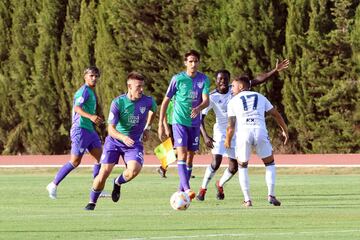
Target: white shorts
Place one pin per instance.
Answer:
(219, 148)
(256, 137)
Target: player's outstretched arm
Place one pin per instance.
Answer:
(264, 76)
(280, 121)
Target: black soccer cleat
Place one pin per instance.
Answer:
(115, 195)
(272, 200)
(201, 194)
(90, 206)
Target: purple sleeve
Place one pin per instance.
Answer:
(172, 88)
(113, 114)
(83, 98)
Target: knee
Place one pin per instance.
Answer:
(269, 163)
(130, 174)
(243, 164)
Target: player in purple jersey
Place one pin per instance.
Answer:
(83, 134)
(130, 118)
(219, 99)
(190, 92)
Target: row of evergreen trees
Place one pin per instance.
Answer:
(45, 45)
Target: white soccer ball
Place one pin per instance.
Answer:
(179, 201)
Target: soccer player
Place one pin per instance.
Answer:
(190, 92)
(130, 119)
(246, 111)
(219, 99)
(82, 133)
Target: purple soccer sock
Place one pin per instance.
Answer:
(94, 195)
(182, 172)
(96, 169)
(120, 180)
(64, 170)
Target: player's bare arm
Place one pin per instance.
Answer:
(163, 108)
(149, 121)
(209, 142)
(230, 131)
(278, 68)
(204, 104)
(94, 118)
(122, 137)
(280, 121)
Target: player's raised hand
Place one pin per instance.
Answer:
(282, 65)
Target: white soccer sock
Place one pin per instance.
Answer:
(244, 183)
(270, 176)
(209, 174)
(227, 175)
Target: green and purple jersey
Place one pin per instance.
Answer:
(86, 99)
(130, 117)
(186, 93)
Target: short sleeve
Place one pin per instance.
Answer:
(114, 113)
(172, 88)
(230, 108)
(79, 101)
(206, 88)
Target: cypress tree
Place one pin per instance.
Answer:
(42, 95)
(24, 39)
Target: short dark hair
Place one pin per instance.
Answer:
(192, 53)
(243, 78)
(92, 69)
(136, 75)
(223, 71)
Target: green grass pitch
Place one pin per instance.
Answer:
(315, 205)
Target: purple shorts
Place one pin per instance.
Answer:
(113, 149)
(83, 139)
(186, 137)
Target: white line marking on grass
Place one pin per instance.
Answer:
(197, 165)
(240, 235)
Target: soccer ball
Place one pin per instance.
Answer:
(179, 201)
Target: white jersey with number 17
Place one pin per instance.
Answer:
(249, 109)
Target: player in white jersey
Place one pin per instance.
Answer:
(219, 99)
(246, 118)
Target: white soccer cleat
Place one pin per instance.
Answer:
(51, 188)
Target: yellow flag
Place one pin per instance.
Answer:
(165, 153)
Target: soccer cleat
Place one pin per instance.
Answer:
(90, 207)
(247, 203)
(161, 171)
(51, 188)
(115, 195)
(220, 191)
(104, 194)
(201, 194)
(191, 194)
(272, 200)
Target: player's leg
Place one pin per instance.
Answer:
(265, 151)
(243, 152)
(229, 172)
(95, 150)
(61, 174)
(134, 159)
(209, 174)
(99, 184)
(180, 133)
